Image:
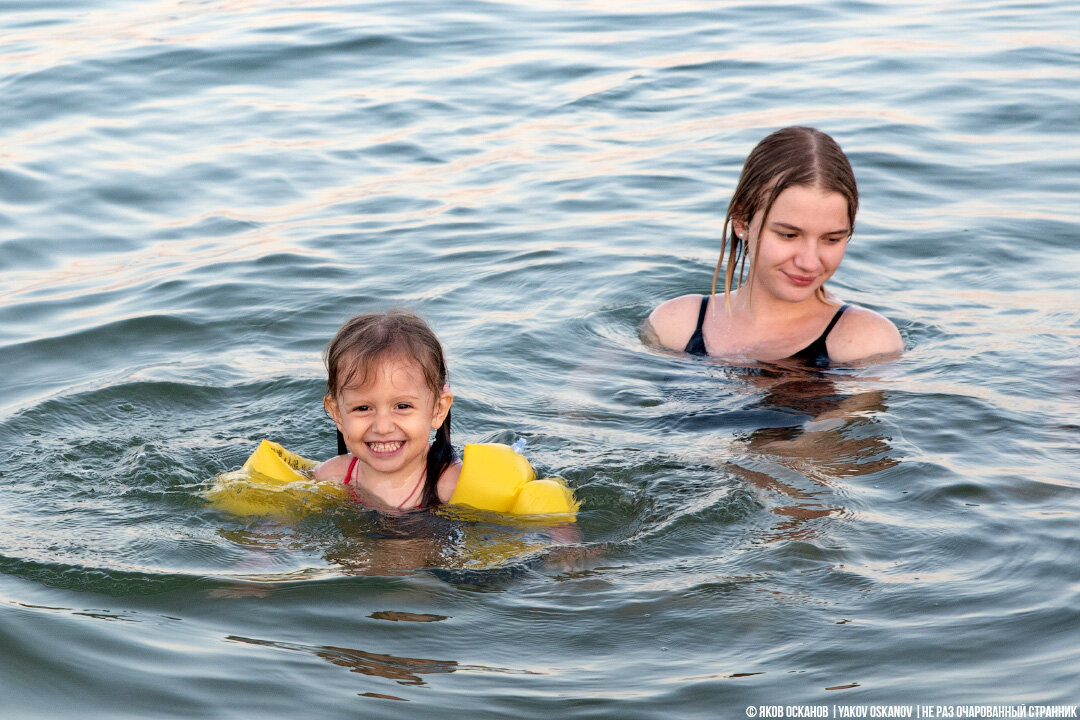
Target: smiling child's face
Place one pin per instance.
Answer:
(387, 421)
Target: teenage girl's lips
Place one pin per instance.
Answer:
(385, 449)
(800, 280)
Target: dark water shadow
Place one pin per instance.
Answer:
(828, 434)
(405, 671)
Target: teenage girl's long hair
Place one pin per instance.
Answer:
(790, 156)
(365, 341)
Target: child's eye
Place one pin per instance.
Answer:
(404, 406)
(362, 408)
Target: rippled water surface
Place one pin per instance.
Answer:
(194, 195)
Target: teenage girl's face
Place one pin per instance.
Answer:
(387, 422)
(801, 244)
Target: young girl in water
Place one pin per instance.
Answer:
(792, 215)
(386, 391)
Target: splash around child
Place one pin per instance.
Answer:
(386, 391)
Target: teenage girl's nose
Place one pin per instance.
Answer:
(807, 258)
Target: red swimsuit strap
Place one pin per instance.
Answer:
(348, 473)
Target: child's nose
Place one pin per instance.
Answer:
(384, 422)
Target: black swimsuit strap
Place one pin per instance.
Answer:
(816, 353)
(696, 345)
(832, 323)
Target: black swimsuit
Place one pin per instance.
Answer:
(815, 353)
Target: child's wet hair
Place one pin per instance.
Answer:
(365, 342)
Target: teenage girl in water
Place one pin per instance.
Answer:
(790, 219)
(386, 391)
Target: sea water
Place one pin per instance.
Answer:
(194, 196)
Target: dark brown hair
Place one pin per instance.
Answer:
(790, 156)
(364, 342)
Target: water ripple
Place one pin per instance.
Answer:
(193, 197)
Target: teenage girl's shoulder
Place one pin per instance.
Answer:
(672, 323)
(332, 470)
(448, 480)
(862, 334)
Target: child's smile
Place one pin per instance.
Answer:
(385, 449)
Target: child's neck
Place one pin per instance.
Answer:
(392, 489)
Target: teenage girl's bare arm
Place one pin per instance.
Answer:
(862, 335)
(672, 323)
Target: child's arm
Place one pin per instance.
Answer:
(332, 470)
(448, 481)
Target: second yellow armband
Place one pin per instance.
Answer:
(495, 477)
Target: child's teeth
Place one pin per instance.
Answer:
(385, 447)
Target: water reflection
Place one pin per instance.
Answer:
(406, 671)
(402, 616)
(832, 433)
(352, 541)
(839, 434)
(377, 544)
(402, 670)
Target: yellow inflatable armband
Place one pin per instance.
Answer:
(278, 464)
(273, 482)
(495, 477)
